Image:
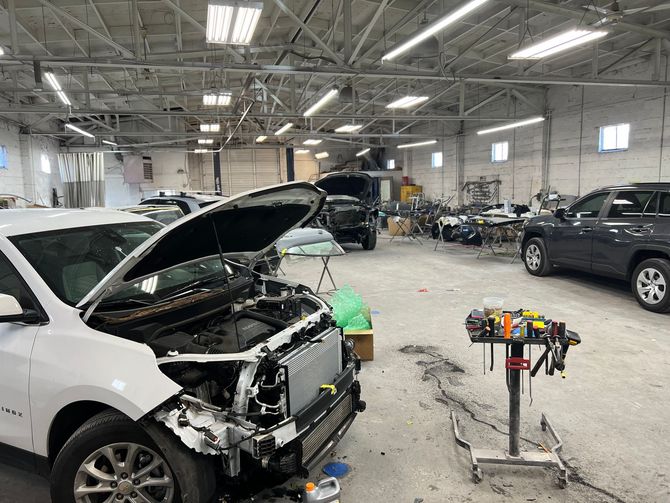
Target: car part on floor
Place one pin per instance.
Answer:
(528, 329)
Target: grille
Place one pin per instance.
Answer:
(311, 366)
(320, 435)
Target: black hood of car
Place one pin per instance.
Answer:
(357, 185)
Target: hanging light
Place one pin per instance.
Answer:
(511, 125)
(407, 102)
(324, 99)
(321, 155)
(417, 144)
(559, 43)
(312, 142)
(205, 141)
(107, 142)
(201, 150)
(79, 130)
(53, 82)
(210, 128)
(348, 128)
(302, 151)
(284, 128)
(261, 138)
(362, 152)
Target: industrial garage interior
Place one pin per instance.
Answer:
(334, 251)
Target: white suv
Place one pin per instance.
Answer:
(144, 363)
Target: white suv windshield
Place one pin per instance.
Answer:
(73, 261)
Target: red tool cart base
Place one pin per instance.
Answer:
(546, 459)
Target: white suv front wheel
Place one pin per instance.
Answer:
(111, 458)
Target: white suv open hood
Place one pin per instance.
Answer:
(246, 225)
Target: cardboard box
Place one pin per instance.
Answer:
(394, 228)
(363, 340)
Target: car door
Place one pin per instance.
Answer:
(572, 236)
(16, 343)
(627, 224)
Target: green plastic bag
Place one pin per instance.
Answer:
(358, 322)
(347, 305)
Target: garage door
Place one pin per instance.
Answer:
(243, 170)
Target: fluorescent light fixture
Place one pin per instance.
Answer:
(205, 141)
(107, 142)
(312, 142)
(511, 125)
(217, 99)
(201, 151)
(434, 27)
(362, 152)
(232, 22)
(407, 102)
(78, 130)
(302, 151)
(348, 128)
(321, 155)
(261, 138)
(210, 128)
(53, 82)
(418, 144)
(324, 99)
(558, 43)
(283, 129)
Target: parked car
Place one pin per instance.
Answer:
(147, 363)
(163, 213)
(350, 213)
(188, 202)
(621, 232)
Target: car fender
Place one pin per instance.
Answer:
(648, 249)
(82, 364)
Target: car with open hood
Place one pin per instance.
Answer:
(350, 212)
(151, 363)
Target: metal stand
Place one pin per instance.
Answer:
(408, 225)
(325, 270)
(513, 456)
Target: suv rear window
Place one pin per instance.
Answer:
(629, 204)
(664, 206)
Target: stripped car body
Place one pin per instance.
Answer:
(246, 370)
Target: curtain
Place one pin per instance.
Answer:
(83, 176)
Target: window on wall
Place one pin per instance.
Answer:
(390, 164)
(436, 161)
(613, 138)
(3, 157)
(45, 163)
(499, 151)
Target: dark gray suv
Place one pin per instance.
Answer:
(621, 232)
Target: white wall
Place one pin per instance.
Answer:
(24, 175)
(575, 166)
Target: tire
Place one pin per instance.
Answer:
(369, 240)
(650, 282)
(179, 476)
(535, 257)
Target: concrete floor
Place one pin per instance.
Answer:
(612, 410)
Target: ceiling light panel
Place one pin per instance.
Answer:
(217, 99)
(511, 125)
(434, 27)
(407, 102)
(348, 128)
(283, 129)
(261, 138)
(232, 22)
(321, 155)
(205, 141)
(201, 151)
(561, 42)
(107, 142)
(322, 101)
(418, 144)
(312, 141)
(302, 151)
(210, 128)
(362, 152)
(78, 130)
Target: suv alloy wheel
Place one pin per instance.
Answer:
(650, 283)
(535, 257)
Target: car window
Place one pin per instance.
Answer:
(652, 206)
(11, 284)
(166, 217)
(664, 205)
(589, 207)
(73, 261)
(627, 204)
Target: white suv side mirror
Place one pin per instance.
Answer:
(9, 306)
(12, 312)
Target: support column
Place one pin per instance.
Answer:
(546, 147)
(460, 164)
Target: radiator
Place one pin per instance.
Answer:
(312, 365)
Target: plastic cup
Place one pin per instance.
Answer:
(493, 307)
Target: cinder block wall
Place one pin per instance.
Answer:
(575, 166)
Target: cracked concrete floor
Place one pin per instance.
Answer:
(612, 411)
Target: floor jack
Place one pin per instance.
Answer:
(556, 340)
